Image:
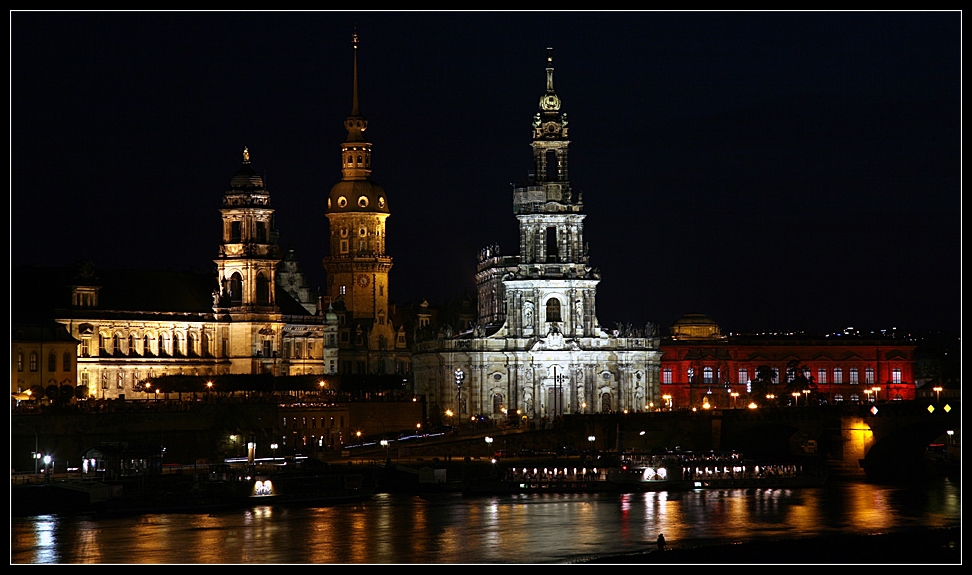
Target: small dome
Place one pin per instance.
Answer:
(357, 196)
(246, 179)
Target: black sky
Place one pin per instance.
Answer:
(773, 170)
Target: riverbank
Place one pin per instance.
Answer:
(931, 546)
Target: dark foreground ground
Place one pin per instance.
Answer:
(941, 546)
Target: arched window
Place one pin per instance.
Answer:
(51, 362)
(190, 344)
(131, 344)
(176, 344)
(115, 344)
(163, 345)
(263, 289)
(204, 348)
(20, 361)
(553, 309)
(236, 289)
(66, 362)
(497, 403)
(146, 345)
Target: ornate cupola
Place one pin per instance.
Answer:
(357, 266)
(247, 253)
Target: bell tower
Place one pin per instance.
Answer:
(549, 287)
(247, 262)
(357, 266)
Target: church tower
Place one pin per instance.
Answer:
(357, 266)
(550, 287)
(538, 351)
(247, 259)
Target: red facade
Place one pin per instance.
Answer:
(699, 366)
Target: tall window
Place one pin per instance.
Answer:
(263, 289)
(86, 347)
(146, 346)
(66, 362)
(33, 361)
(852, 376)
(896, 375)
(176, 344)
(261, 232)
(667, 375)
(84, 379)
(236, 231)
(236, 289)
(743, 375)
(869, 375)
(822, 375)
(707, 375)
(20, 361)
(104, 380)
(553, 309)
(120, 380)
(115, 344)
(131, 344)
(838, 375)
(51, 362)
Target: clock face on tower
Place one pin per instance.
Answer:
(363, 280)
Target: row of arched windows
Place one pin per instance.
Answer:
(189, 345)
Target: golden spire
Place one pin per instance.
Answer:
(246, 155)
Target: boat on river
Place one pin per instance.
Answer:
(644, 472)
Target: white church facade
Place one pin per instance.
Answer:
(538, 351)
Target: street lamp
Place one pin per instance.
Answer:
(384, 443)
(273, 449)
(734, 395)
(47, 473)
(796, 398)
(770, 397)
(668, 400)
(876, 389)
(938, 393)
(806, 395)
(591, 439)
(868, 393)
(489, 445)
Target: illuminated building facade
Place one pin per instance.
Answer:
(357, 265)
(538, 350)
(133, 325)
(701, 367)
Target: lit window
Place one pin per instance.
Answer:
(838, 375)
(667, 375)
(822, 375)
(896, 375)
(743, 375)
(869, 376)
(33, 361)
(852, 376)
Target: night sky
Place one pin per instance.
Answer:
(772, 170)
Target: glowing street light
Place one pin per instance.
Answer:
(796, 398)
(591, 438)
(668, 400)
(938, 393)
(47, 468)
(868, 393)
(734, 395)
(806, 395)
(273, 449)
(876, 389)
(489, 444)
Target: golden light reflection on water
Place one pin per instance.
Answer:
(453, 529)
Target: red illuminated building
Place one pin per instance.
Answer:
(701, 368)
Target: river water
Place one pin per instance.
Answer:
(448, 528)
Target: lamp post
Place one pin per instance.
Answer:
(47, 468)
(591, 438)
(489, 445)
(796, 398)
(938, 393)
(668, 401)
(384, 443)
(459, 375)
(734, 395)
(868, 393)
(273, 449)
(209, 389)
(806, 396)
(876, 389)
(771, 397)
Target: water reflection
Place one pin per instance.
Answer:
(451, 529)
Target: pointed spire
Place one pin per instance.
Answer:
(355, 123)
(354, 104)
(550, 69)
(246, 155)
